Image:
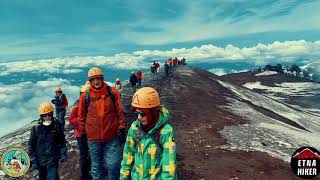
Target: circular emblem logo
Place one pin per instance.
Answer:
(305, 162)
(15, 162)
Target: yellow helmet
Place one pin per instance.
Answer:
(45, 108)
(95, 72)
(146, 97)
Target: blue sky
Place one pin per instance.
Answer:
(45, 44)
(37, 29)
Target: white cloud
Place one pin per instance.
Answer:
(287, 51)
(20, 101)
(71, 71)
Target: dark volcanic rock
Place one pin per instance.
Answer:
(196, 100)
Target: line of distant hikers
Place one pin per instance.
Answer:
(149, 148)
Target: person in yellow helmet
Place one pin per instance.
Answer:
(85, 161)
(150, 148)
(101, 118)
(47, 144)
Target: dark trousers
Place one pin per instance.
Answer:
(60, 115)
(85, 161)
(167, 72)
(134, 86)
(139, 83)
(50, 171)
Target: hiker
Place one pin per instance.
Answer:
(153, 71)
(139, 77)
(47, 144)
(118, 86)
(166, 68)
(150, 148)
(133, 81)
(170, 61)
(61, 103)
(157, 67)
(183, 61)
(101, 118)
(85, 161)
(175, 61)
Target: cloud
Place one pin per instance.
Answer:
(20, 101)
(287, 51)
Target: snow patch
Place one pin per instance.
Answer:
(266, 73)
(265, 133)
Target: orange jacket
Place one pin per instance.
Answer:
(99, 120)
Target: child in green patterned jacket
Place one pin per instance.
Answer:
(150, 148)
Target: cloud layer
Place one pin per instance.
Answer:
(20, 101)
(286, 52)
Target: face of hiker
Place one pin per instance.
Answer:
(97, 82)
(142, 116)
(47, 117)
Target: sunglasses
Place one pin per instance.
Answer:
(47, 115)
(140, 113)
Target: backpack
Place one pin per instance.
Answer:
(155, 136)
(112, 96)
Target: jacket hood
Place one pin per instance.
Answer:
(164, 116)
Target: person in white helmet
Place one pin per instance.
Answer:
(118, 85)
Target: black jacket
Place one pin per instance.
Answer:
(46, 144)
(166, 67)
(60, 102)
(133, 79)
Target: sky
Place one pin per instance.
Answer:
(38, 29)
(45, 44)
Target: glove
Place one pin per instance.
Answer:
(122, 135)
(53, 101)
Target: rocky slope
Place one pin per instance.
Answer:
(223, 130)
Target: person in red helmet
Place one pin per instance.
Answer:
(101, 118)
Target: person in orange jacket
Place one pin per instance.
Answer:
(85, 161)
(101, 117)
